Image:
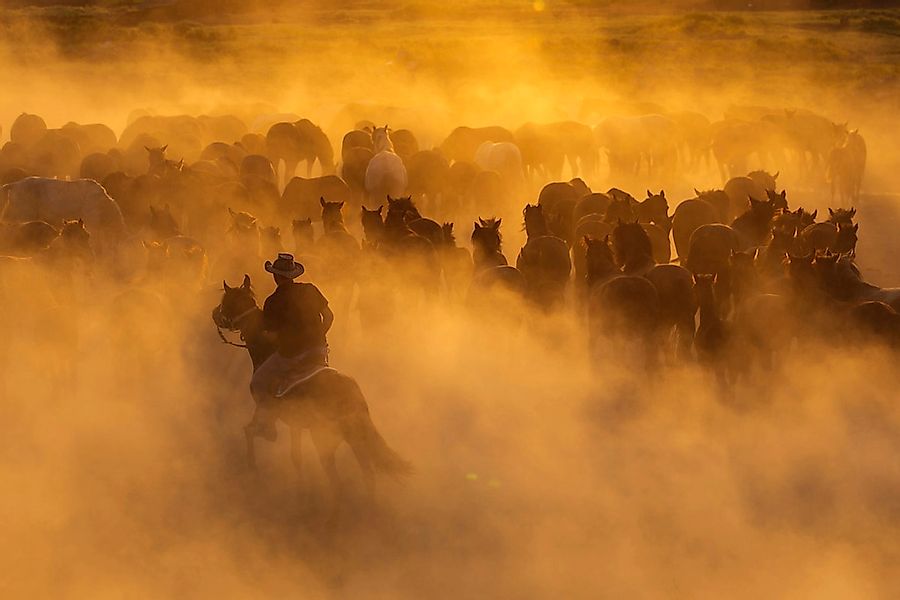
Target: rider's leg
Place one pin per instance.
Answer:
(262, 388)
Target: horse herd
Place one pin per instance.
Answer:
(128, 211)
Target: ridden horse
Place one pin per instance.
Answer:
(327, 403)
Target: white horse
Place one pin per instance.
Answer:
(386, 173)
(504, 158)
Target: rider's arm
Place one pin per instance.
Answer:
(327, 318)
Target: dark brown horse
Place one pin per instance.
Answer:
(632, 248)
(487, 245)
(456, 263)
(328, 403)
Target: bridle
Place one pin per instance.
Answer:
(232, 324)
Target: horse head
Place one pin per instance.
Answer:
(331, 213)
(381, 140)
(630, 242)
(486, 234)
(163, 223)
(302, 231)
(535, 220)
(778, 201)
(236, 304)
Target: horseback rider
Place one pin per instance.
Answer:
(298, 316)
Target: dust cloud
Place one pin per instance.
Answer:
(540, 471)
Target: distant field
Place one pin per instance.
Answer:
(833, 58)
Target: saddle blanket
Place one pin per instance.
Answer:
(299, 378)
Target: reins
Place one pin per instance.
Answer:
(227, 341)
(235, 322)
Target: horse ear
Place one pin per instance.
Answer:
(246, 283)
(231, 212)
(696, 191)
(662, 193)
(147, 149)
(380, 208)
(777, 173)
(225, 285)
(606, 239)
(856, 228)
(477, 226)
(830, 213)
(649, 194)
(164, 147)
(814, 213)
(784, 194)
(497, 223)
(852, 212)
(322, 201)
(755, 253)
(340, 205)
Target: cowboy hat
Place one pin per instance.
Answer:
(285, 265)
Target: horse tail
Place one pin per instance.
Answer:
(366, 441)
(384, 459)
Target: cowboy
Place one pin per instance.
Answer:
(298, 316)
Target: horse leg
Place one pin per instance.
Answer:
(326, 445)
(368, 471)
(297, 452)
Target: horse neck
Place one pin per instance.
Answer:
(485, 248)
(396, 228)
(536, 228)
(374, 234)
(303, 244)
(636, 261)
(383, 144)
(334, 225)
(484, 256)
(251, 332)
(600, 273)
